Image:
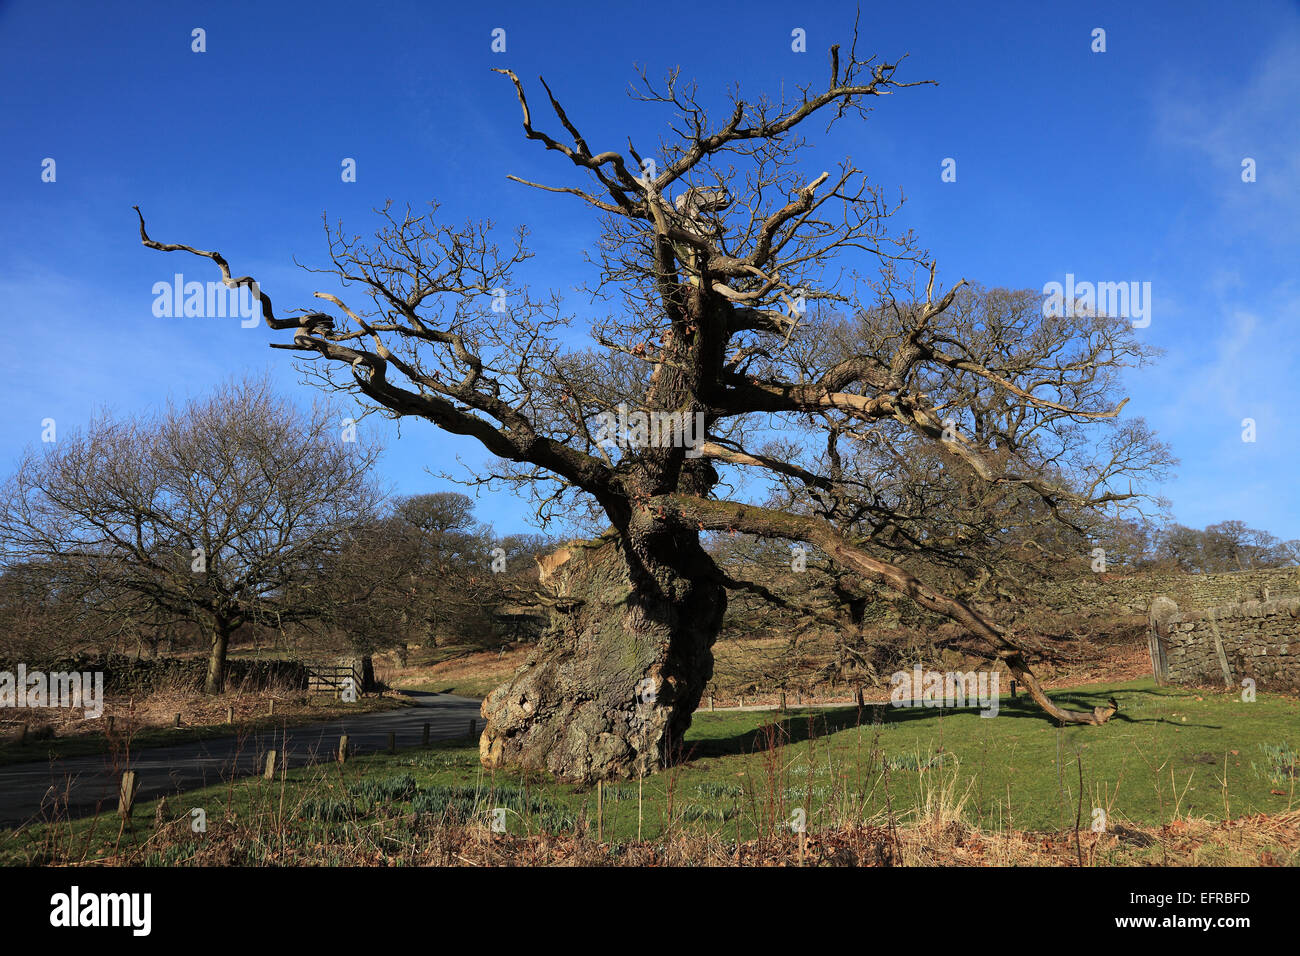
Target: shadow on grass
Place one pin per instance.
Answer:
(798, 726)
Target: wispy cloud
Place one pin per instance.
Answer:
(1220, 124)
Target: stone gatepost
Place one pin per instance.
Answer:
(1163, 614)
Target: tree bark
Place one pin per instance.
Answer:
(215, 682)
(612, 686)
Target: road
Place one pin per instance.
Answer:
(27, 790)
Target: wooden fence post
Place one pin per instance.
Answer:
(230, 715)
(392, 743)
(270, 765)
(126, 795)
(473, 728)
(426, 734)
(343, 748)
(177, 721)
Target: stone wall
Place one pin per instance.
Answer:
(1208, 629)
(1259, 639)
(1133, 593)
(129, 675)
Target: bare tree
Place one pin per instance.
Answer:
(44, 614)
(455, 588)
(206, 512)
(725, 255)
(1011, 489)
(1224, 546)
(422, 571)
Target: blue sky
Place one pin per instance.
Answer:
(1115, 166)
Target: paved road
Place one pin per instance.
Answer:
(27, 790)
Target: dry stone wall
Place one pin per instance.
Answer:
(1133, 593)
(1259, 640)
(1206, 629)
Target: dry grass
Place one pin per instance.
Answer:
(1254, 841)
(472, 673)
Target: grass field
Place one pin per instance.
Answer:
(1171, 756)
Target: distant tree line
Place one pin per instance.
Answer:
(237, 518)
(1225, 546)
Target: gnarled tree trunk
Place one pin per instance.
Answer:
(611, 688)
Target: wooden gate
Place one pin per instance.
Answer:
(336, 679)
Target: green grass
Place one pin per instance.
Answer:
(1169, 753)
